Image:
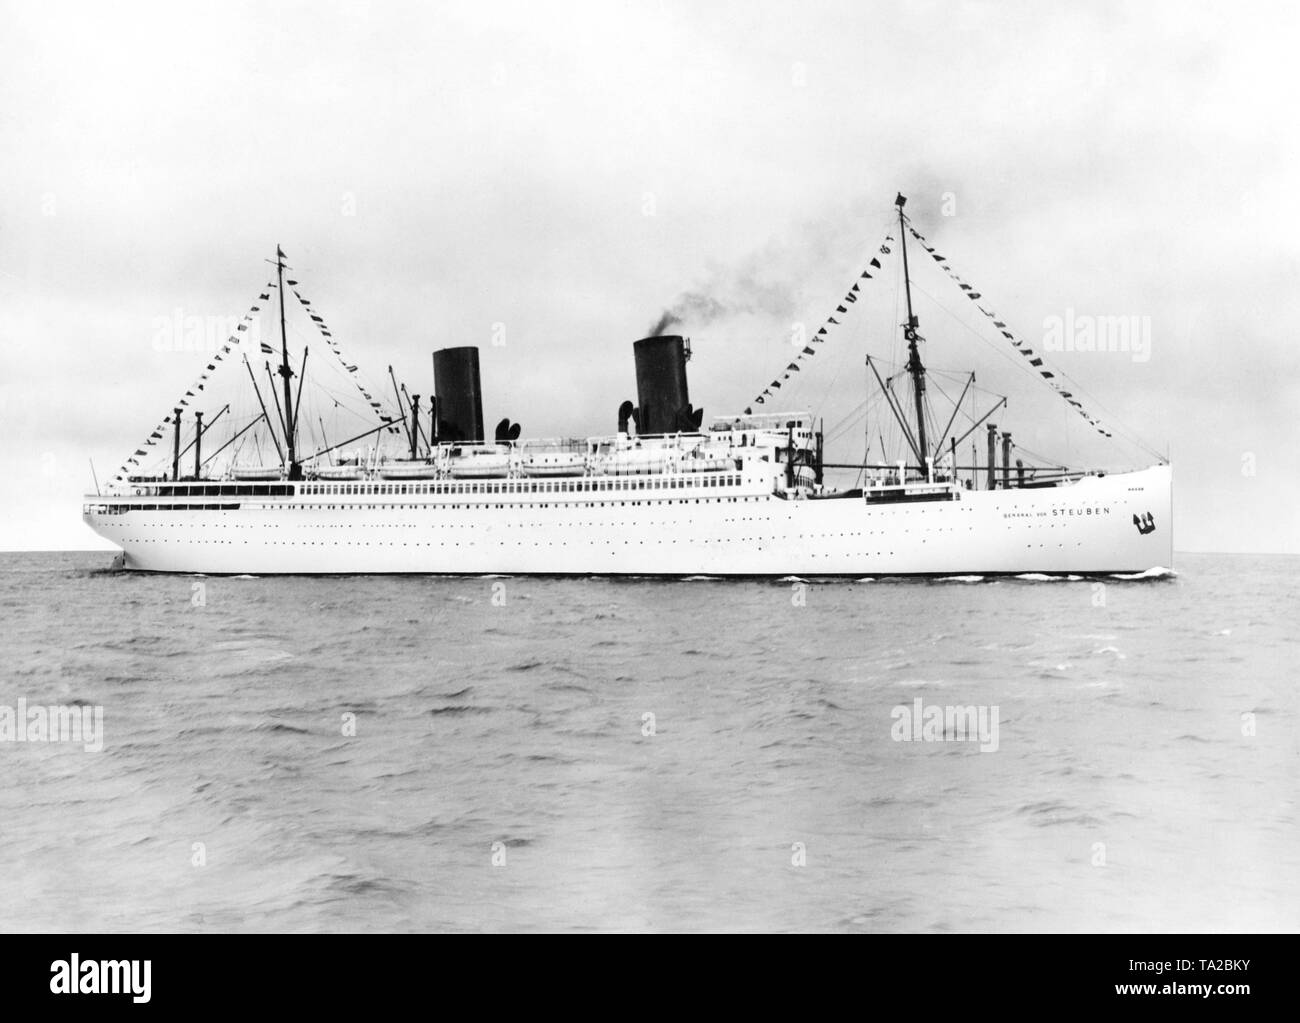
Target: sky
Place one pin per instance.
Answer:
(544, 180)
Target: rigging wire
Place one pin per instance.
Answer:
(1118, 426)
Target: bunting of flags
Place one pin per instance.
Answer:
(348, 367)
(823, 332)
(156, 436)
(1022, 347)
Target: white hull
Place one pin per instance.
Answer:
(742, 530)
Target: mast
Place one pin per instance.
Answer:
(198, 445)
(914, 366)
(258, 391)
(176, 444)
(289, 425)
(302, 379)
(401, 405)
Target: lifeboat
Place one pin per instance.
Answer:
(639, 461)
(407, 470)
(554, 464)
(259, 473)
(706, 463)
(487, 462)
(339, 472)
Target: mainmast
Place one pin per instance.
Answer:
(914, 366)
(290, 427)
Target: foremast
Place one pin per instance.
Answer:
(914, 365)
(290, 425)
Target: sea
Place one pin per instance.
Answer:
(379, 754)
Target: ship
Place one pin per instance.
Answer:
(748, 494)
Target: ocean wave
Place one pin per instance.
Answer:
(280, 726)
(1150, 573)
(360, 884)
(459, 710)
(328, 832)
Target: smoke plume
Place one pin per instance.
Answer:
(743, 293)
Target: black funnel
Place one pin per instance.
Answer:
(661, 382)
(459, 394)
